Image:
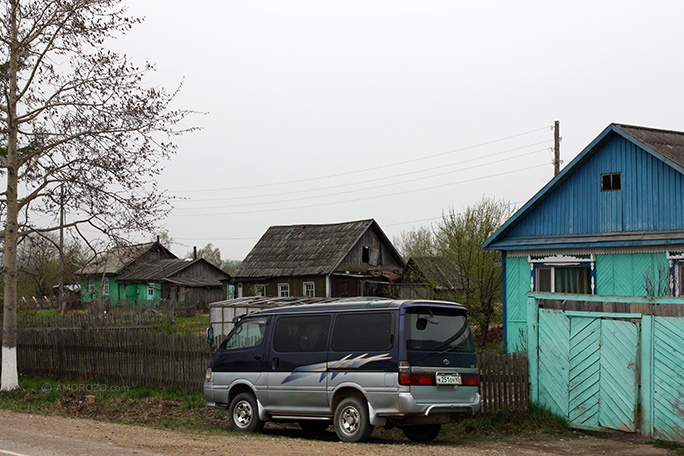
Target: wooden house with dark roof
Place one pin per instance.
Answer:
(332, 260)
(150, 273)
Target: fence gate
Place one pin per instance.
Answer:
(588, 367)
(667, 418)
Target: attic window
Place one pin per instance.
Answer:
(610, 182)
(365, 254)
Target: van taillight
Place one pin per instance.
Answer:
(407, 378)
(470, 380)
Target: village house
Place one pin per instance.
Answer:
(593, 269)
(332, 260)
(149, 274)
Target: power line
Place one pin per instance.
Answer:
(364, 199)
(347, 184)
(374, 187)
(358, 171)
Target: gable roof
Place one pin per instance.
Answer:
(165, 270)
(665, 145)
(298, 250)
(115, 260)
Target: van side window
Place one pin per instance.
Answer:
(301, 334)
(248, 334)
(363, 332)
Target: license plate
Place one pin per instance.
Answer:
(447, 379)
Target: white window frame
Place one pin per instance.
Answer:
(105, 286)
(309, 289)
(91, 286)
(150, 291)
(554, 261)
(676, 260)
(283, 290)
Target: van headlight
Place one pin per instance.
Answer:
(207, 374)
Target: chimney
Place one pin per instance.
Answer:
(194, 252)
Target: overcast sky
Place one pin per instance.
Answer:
(330, 111)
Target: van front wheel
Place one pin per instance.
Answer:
(352, 423)
(244, 414)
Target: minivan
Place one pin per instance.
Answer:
(409, 364)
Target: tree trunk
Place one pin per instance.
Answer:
(10, 375)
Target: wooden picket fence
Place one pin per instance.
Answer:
(135, 358)
(131, 358)
(504, 383)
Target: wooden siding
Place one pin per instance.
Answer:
(617, 274)
(651, 199)
(380, 254)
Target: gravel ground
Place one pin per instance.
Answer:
(70, 434)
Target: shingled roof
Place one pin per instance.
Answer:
(165, 270)
(299, 250)
(117, 259)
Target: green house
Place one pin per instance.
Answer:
(99, 276)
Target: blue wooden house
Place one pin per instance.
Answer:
(593, 273)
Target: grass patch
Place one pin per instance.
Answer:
(185, 410)
(536, 421)
(195, 325)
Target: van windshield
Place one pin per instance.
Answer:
(434, 330)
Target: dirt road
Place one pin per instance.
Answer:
(37, 435)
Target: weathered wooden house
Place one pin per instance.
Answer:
(181, 280)
(149, 273)
(333, 260)
(593, 269)
(431, 278)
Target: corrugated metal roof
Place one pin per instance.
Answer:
(666, 142)
(299, 250)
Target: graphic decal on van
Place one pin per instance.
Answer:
(345, 363)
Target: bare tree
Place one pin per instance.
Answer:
(449, 258)
(82, 131)
(210, 253)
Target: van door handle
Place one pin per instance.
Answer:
(257, 357)
(275, 362)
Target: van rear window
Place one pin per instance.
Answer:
(363, 332)
(432, 330)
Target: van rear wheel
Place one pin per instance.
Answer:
(423, 433)
(244, 414)
(352, 421)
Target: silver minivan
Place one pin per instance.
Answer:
(354, 364)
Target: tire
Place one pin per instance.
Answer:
(244, 414)
(423, 433)
(352, 423)
(313, 425)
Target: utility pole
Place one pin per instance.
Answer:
(556, 148)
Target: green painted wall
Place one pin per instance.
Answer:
(121, 292)
(620, 274)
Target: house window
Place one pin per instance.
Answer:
(105, 286)
(91, 287)
(563, 279)
(259, 289)
(150, 291)
(610, 182)
(309, 289)
(563, 274)
(283, 290)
